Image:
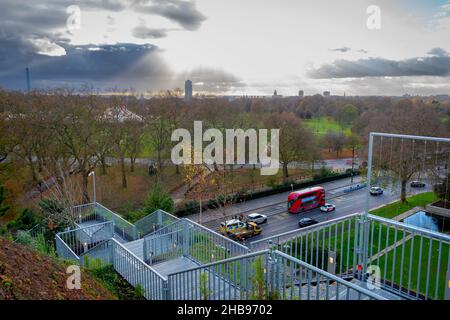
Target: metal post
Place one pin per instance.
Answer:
(92, 173)
(331, 262)
(369, 172)
(200, 210)
(363, 240)
(447, 286)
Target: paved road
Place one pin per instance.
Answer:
(280, 220)
(237, 208)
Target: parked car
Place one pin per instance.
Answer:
(305, 222)
(417, 184)
(257, 218)
(327, 207)
(376, 191)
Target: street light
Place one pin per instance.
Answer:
(92, 173)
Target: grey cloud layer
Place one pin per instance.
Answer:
(184, 13)
(436, 65)
(30, 27)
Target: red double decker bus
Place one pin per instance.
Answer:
(306, 199)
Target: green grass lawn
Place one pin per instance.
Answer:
(394, 209)
(418, 264)
(323, 125)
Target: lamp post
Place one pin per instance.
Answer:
(92, 173)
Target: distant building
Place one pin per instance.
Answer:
(326, 93)
(188, 90)
(27, 76)
(120, 114)
(300, 93)
(276, 95)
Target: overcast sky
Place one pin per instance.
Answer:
(229, 46)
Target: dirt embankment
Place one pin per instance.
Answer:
(25, 274)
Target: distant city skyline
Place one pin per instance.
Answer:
(233, 47)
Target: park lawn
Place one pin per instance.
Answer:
(394, 209)
(411, 274)
(323, 125)
(111, 194)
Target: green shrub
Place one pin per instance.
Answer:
(139, 293)
(158, 199)
(24, 238)
(204, 291)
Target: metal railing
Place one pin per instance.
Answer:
(164, 244)
(153, 222)
(96, 212)
(80, 240)
(413, 262)
(262, 275)
(64, 251)
(137, 272)
(190, 239)
(336, 239)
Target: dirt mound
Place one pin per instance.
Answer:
(25, 274)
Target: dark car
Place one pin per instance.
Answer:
(417, 184)
(376, 191)
(305, 222)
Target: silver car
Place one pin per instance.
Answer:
(257, 218)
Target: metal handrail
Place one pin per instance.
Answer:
(216, 234)
(65, 245)
(330, 276)
(82, 228)
(426, 232)
(165, 212)
(115, 215)
(405, 136)
(212, 264)
(154, 233)
(139, 260)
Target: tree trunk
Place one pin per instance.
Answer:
(122, 169)
(159, 160)
(285, 172)
(103, 163)
(403, 192)
(132, 161)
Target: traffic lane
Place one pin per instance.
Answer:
(261, 203)
(346, 204)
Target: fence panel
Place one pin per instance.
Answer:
(137, 272)
(336, 239)
(412, 261)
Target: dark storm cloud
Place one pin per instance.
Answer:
(30, 28)
(143, 32)
(379, 67)
(343, 49)
(438, 52)
(184, 13)
(122, 65)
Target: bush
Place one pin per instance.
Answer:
(158, 199)
(24, 238)
(114, 282)
(192, 206)
(25, 221)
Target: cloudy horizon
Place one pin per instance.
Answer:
(229, 47)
